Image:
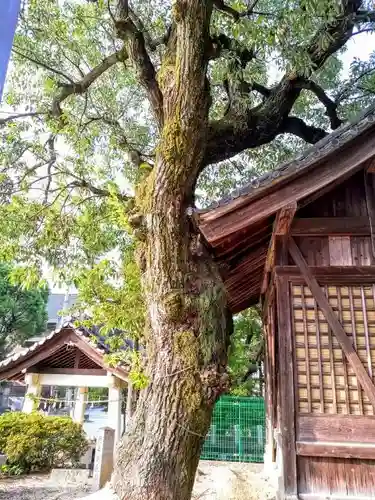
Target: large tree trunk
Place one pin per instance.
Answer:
(187, 339)
(188, 322)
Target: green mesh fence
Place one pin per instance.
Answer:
(237, 431)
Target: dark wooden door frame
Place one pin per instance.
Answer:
(286, 425)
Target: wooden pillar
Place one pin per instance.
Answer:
(288, 483)
(69, 397)
(129, 405)
(33, 391)
(114, 406)
(269, 447)
(80, 405)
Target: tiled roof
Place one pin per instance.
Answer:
(27, 350)
(329, 144)
(86, 334)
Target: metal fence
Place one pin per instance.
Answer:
(237, 431)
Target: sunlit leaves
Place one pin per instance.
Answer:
(246, 351)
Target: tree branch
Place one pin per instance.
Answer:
(328, 103)
(344, 92)
(337, 32)
(134, 155)
(10, 118)
(82, 86)
(261, 89)
(222, 43)
(43, 65)
(82, 183)
(365, 16)
(223, 7)
(296, 126)
(142, 29)
(244, 128)
(136, 48)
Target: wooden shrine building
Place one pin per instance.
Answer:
(68, 357)
(301, 239)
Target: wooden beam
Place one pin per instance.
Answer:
(334, 323)
(339, 275)
(332, 427)
(247, 210)
(281, 228)
(67, 380)
(77, 358)
(335, 450)
(286, 388)
(69, 371)
(370, 203)
(337, 226)
(318, 496)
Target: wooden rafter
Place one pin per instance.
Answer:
(281, 228)
(325, 226)
(334, 323)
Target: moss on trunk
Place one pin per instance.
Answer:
(188, 322)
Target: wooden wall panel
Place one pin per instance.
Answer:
(325, 382)
(336, 428)
(362, 251)
(340, 251)
(347, 200)
(343, 478)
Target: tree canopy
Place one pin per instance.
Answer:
(81, 124)
(23, 313)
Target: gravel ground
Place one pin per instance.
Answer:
(38, 488)
(214, 481)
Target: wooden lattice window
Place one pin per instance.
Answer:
(325, 382)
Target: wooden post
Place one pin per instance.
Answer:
(129, 405)
(281, 228)
(33, 391)
(80, 405)
(114, 406)
(288, 486)
(370, 203)
(269, 447)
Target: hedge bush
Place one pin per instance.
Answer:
(34, 442)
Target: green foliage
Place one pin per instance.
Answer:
(22, 311)
(33, 442)
(246, 353)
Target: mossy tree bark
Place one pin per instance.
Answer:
(188, 322)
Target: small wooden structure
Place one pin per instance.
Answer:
(302, 240)
(69, 358)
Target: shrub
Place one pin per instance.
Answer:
(34, 442)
